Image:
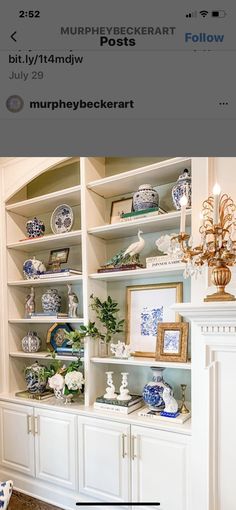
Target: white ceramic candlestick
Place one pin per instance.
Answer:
(183, 202)
(124, 392)
(216, 193)
(110, 390)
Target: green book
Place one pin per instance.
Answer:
(137, 213)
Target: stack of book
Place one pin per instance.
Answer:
(68, 351)
(162, 260)
(45, 315)
(60, 272)
(145, 213)
(154, 415)
(119, 406)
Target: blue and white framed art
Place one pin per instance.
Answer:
(147, 306)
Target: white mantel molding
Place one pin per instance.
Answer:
(216, 313)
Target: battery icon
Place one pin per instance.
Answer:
(218, 14)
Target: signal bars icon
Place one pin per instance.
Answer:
(191, 14)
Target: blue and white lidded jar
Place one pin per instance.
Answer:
(51, 301)
(36, 378)
(153, 391)
(182, 187)
(32, 268)
(31, 342)
(145, 198)
(35, 228)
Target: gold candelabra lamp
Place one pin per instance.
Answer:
(217, 247)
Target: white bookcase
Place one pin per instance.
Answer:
(88, 185)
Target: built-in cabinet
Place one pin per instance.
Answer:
(105, 459)
(64, 455)
(17, 438)
(39, 443)
(138, 464)
(104, 454)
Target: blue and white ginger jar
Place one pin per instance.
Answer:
(31, 342)
(35, 228)
(145, 198)
(32, 268)
(182, 187)
(5, 493)
(153, 391)
(51, 301)
(36, 378)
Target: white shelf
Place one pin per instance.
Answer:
(142, 362)
(156, 224)
(53, 241)
(46, 321)
(46, 203)
(41, 355)
(127, 182)
(168, 270)
(38, 282)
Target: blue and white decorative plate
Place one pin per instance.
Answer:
(62, 219)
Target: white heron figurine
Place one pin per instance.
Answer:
(127, 257)
(135, 248)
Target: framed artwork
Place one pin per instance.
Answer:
(58, 257)
(118, 207)
(147, 307)
(172, 341)
(56, 336)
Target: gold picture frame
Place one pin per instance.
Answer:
(172, 342)
(58, 257)
(147, 305)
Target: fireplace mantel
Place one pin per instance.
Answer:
(208, 311)
(213, 353)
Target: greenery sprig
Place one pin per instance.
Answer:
(106, 312)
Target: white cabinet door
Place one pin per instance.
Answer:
(17, 440)
(160, 466)
(55, 447)
(104, 459)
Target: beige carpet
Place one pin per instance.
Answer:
(20, 501)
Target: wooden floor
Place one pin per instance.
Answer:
(19, 501)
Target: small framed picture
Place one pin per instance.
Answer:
(58, 257)
(172, 341)
(119, 207)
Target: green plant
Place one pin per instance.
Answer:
(106, 312)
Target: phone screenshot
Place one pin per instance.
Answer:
(117, 255)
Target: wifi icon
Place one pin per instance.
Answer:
(204, 13)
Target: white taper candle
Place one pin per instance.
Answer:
(216, 193)
(183, 202)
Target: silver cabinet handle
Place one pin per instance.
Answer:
(36, 425)
(124, 453)
(29, 424)
(133, 454)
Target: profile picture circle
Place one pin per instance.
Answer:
(14, 104)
